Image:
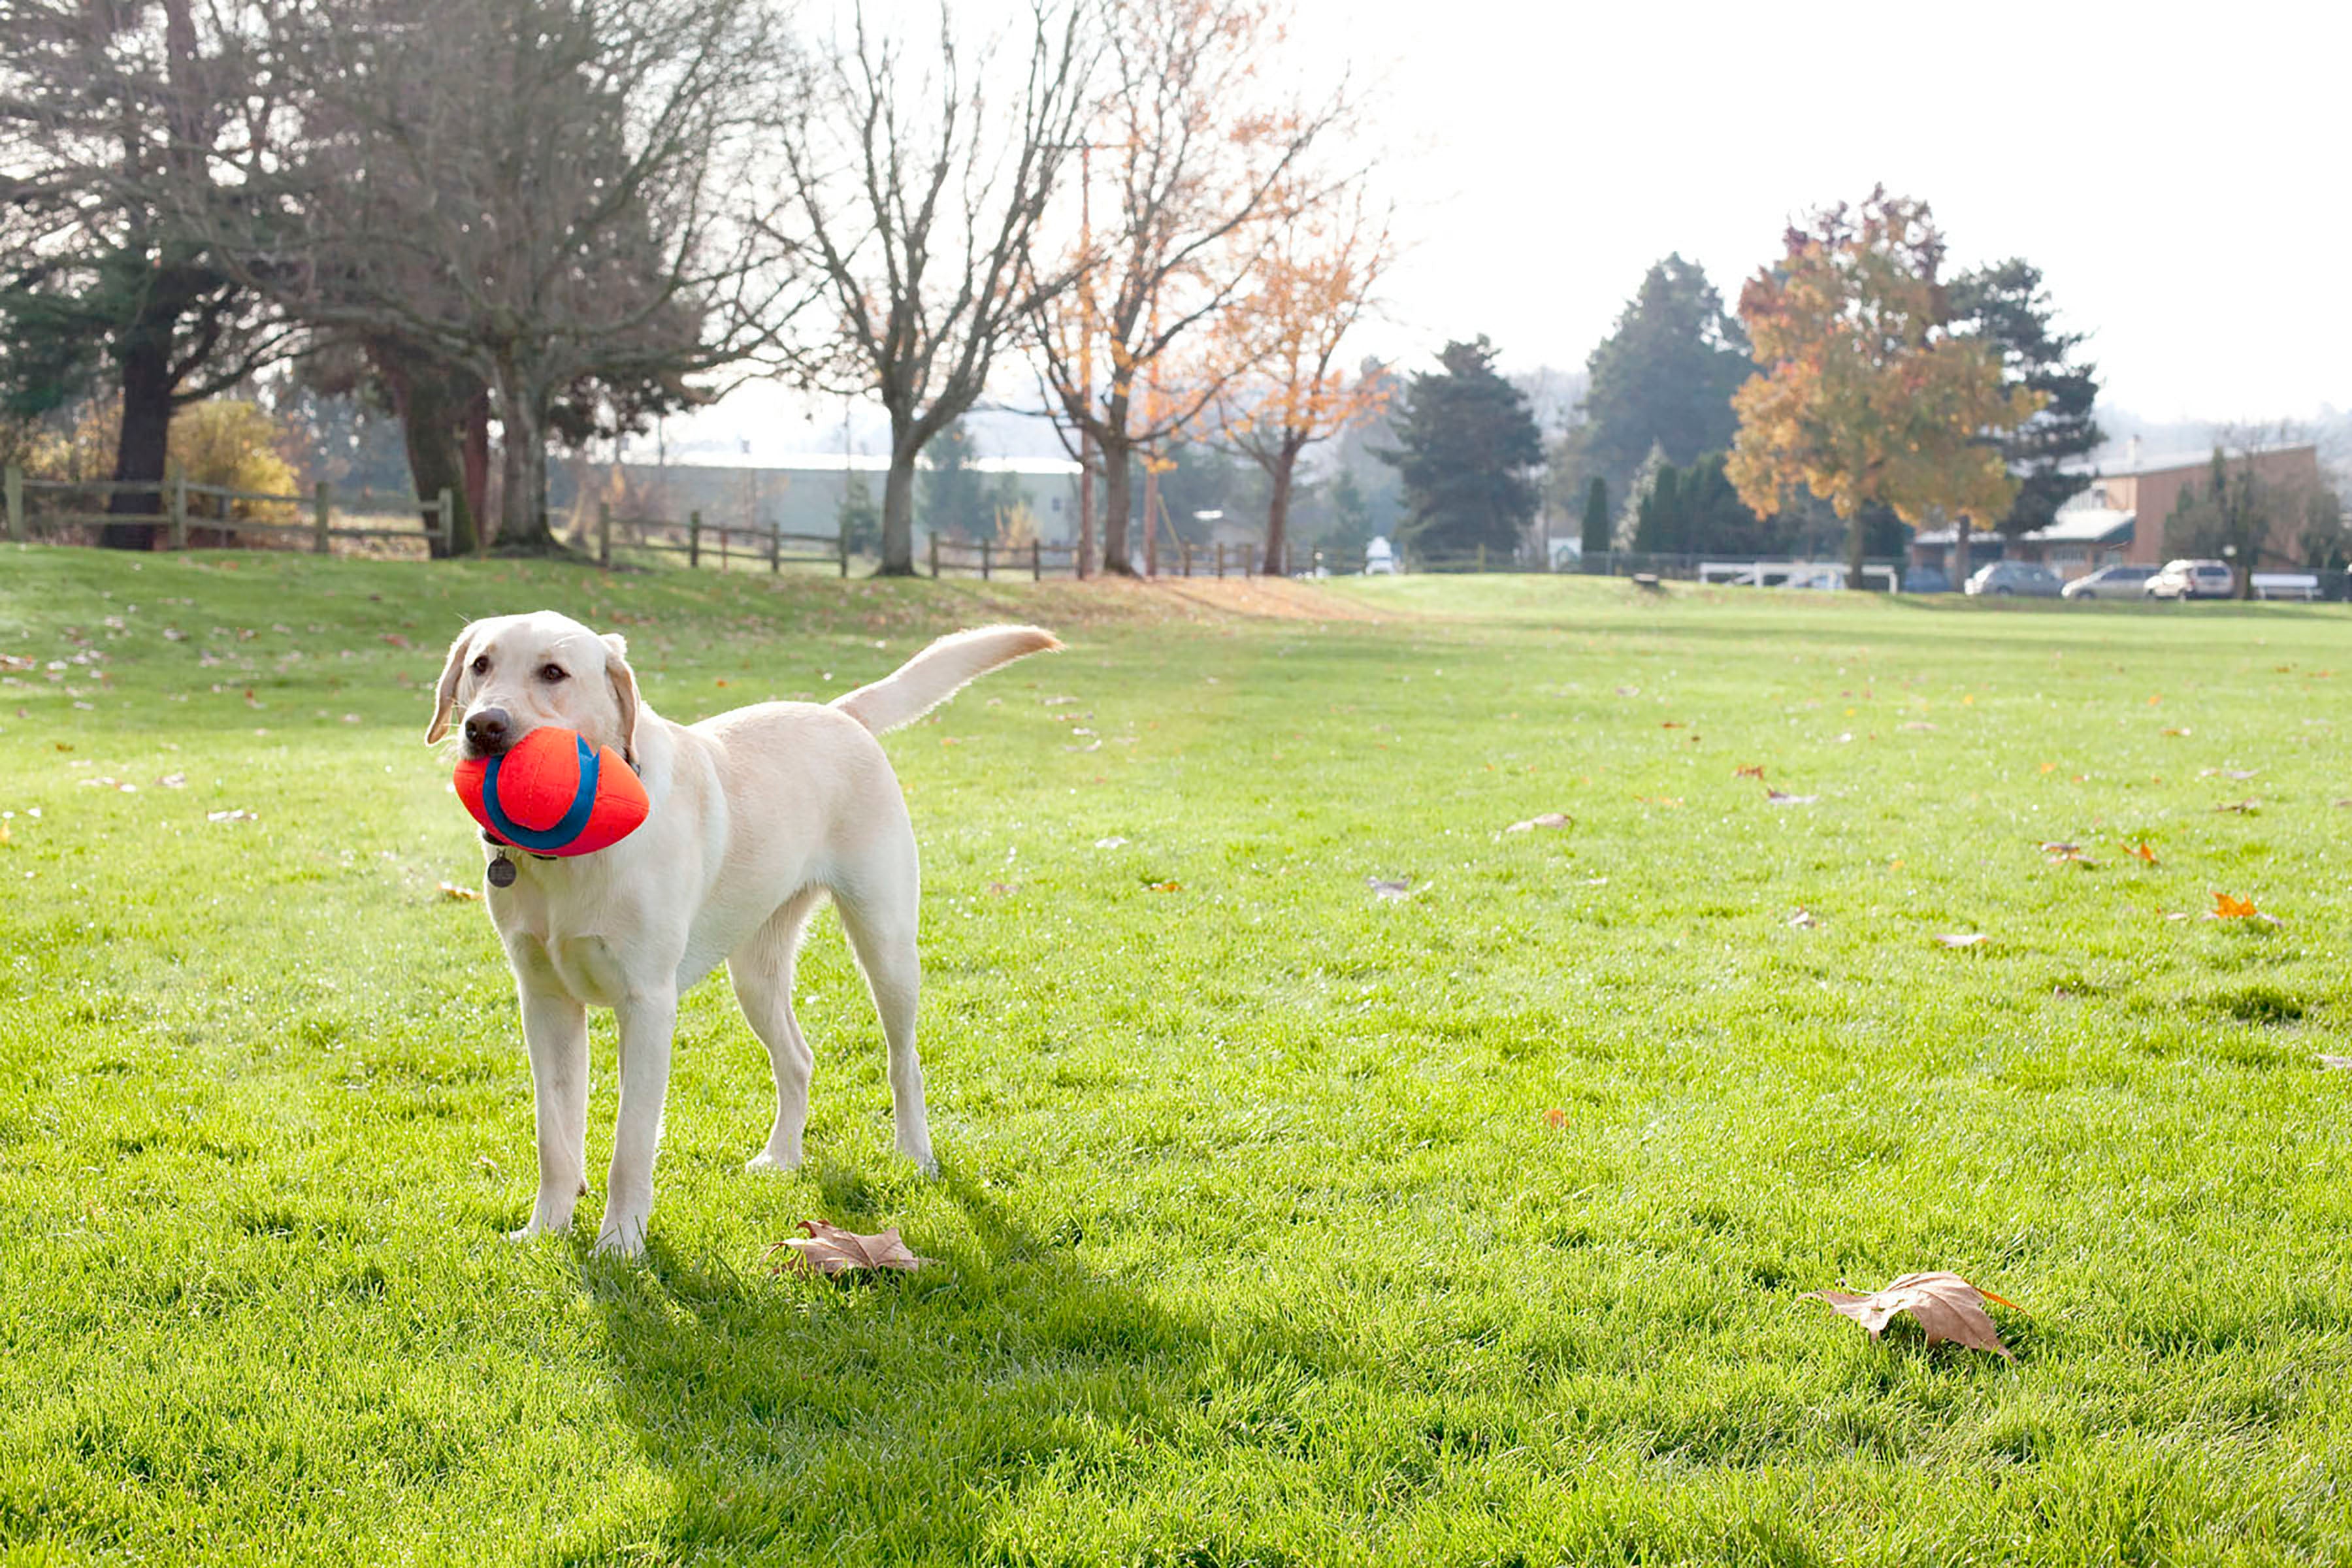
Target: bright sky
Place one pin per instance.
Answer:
(2177, 174)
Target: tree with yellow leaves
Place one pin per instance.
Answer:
(1866, 397)
(1314, 283)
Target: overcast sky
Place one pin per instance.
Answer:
(2179, 176)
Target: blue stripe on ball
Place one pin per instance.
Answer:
(552, 839)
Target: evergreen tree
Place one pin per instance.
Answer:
(1658, 521)
(956, 502)
(1465, 445)
(858, 517)
(1663, 377)
(2006, 306)
(1596, 516)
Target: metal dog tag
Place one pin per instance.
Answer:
(502, 872)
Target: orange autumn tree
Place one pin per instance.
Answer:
(1866, 396)
(1314, 283)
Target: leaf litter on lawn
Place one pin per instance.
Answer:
(1947, 1306)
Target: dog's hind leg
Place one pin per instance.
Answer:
(761, 972)
(878, 911)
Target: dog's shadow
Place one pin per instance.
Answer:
(923, 1414)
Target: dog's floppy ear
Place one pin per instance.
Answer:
(447, 691)
(624, 692)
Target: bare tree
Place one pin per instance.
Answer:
(913, 191)
(1202, 150)
(543, 194)
(100, 106)
(1313, 285)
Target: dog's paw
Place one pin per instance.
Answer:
(627, 1242)
(534, 1230)
(769, 1160)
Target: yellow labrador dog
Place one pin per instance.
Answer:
(756, 814)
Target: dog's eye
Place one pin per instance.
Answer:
(551, 673)
(481, 664)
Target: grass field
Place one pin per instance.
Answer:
(1281, 1223)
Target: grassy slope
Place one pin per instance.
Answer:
(1256, 1243)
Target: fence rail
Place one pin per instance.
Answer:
(46, 508)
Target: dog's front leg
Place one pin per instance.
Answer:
(646, 1019)
(555, 1030)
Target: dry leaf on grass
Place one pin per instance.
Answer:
(2177, 732)
(2061, 853)
(1390, 891)
(2226, 908)
(829, 1250)
(2141, 850)
(1548, 819)
(1945, 1305)
(451, 891)
(2242, 807)
(1782, 797)
(1556, 1119)
(1749, 770)
(1804, 919)
(2226, 772)
(1916, 726)
(2342, 1064)
(1964, 939)
(1165, 887)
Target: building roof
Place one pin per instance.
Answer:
(2087, 525)
(2172, 462)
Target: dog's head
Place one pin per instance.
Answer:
(512, 674)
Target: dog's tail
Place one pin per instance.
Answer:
(938, 672)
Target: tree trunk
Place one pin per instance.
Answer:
(523, 467)
(898, 508)
(422, 396)
(1960, 552)
(1857, 529)
(1277, 509)
(1118, 555)
(477, 445)
(144, 436)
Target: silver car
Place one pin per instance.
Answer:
(2117, 582)
(2001, 579)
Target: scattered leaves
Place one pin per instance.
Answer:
(1749, 770)
(2140, 850)
(1548, 819)
(829, 1250)
(1947, 1306)
(461, 895)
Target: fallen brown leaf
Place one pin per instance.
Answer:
(1782, 797)
(1165, 887)
(1749, 770)
(2242, 807)
(1555, 1119)
(451, 891)
(829, 1250)
(1391, 891)
(2061, 852)
(1804, 919)
(1548, 819)
(1944, 1304)
(1964, 939)
(2141, 850)
(2177, 732)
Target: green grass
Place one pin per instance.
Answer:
(1256, 1243)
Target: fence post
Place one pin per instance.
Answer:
(935, 555)
(318, 504)
(1184, 555)
(842, 547)
(449, 516)
(1036, 562)
(180, 511)
(1286, 558)
(1221, 557)
(986, 547)
(723, 531)
(693, 538)
(775, 547)
(12, 484)
(604, 533)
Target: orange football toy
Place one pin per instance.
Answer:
(551, 793)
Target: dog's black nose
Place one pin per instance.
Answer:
(487, 731)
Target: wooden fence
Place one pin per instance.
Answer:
(721, 544)
(52, 508)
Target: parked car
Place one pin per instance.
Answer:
(2004, 578)
(1380, 560)
(1927, 580)
(2117, 582)
(2192, 580)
